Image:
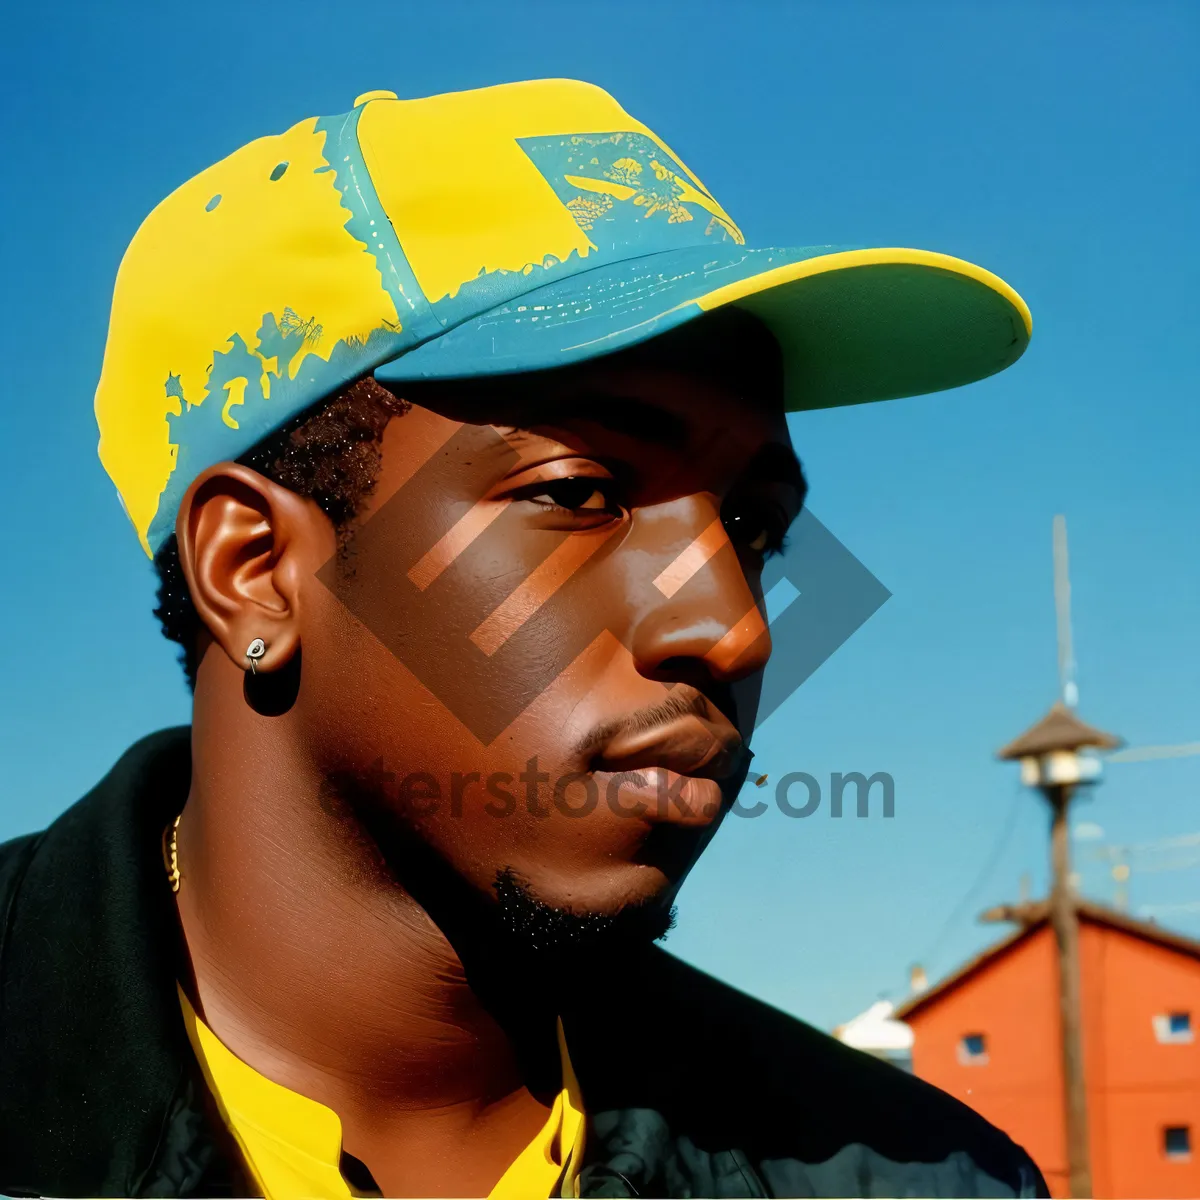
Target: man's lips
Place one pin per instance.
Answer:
(670, 773)
(686, 745)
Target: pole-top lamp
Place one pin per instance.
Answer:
(1049, 752)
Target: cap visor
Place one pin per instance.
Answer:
(854, 325)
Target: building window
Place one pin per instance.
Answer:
(1177, 1142)
(1173, 1027)
(972, 1050)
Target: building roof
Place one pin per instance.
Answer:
(1030, 917)
(1059, 729)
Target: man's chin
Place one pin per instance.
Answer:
(562, 932)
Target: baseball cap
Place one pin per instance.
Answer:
(512, 228)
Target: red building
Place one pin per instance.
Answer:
(990, 1035)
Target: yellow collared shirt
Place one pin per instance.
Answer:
(293, 1145)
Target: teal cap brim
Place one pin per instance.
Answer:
(854, 325)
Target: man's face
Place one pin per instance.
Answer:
(541, 649)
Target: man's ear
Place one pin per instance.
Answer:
(246, 546)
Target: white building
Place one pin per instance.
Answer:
(877, 1032)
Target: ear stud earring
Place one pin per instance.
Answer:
(254, 652)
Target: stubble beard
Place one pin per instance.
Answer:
(555, 934)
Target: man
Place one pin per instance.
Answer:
(456, 430)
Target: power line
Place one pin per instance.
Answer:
(1149, 753)
(981, 880)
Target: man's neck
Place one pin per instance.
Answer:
(316, 968)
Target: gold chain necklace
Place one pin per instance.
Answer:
(171, 854)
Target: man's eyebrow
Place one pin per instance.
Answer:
(620, 414)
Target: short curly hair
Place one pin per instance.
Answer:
(330, 455)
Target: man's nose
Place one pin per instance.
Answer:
(701, 611)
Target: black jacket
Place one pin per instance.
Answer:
(100, 1094)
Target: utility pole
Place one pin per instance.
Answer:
(1065, 920)
(1051, 762)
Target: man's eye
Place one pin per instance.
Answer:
(751, 528)
(576, 494)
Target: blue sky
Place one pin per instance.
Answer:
(1053, 144)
